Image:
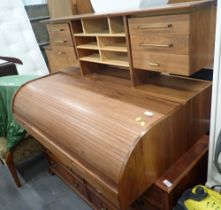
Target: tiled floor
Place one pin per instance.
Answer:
(39, 191)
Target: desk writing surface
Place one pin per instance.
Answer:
(8, 126)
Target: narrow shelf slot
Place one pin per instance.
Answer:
(115, 58)
(89, 55)
(86, 43)
(77, 26)
(115, 44)
(89, 46)
(92, 58)
(116, 25)
(109, 58)
(95, 26)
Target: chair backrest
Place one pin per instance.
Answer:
(17, 38)
(7, 69)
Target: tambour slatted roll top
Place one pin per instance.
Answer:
(114, 137)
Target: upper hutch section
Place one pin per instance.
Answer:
(101, 40)
(173, 39)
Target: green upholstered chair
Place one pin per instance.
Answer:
(25, 149)
(28, 146)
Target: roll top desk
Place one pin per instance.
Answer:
(112, 127)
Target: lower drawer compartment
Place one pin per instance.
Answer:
(97, 202)
(69, 178)
(162, 62)
(76, 183)
(141, 204)
(61, 57)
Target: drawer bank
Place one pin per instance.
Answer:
(110, 141)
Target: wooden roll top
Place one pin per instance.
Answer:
(109, 135)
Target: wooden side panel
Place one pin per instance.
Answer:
(84, 6)
(200, 113)
(154, 154)
(59, 8)
(202, 38)
(188, 171)
(180, 132)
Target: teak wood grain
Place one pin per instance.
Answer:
(178, 44)
(159, 10)
(176, 38)
(61, 52)
(60, 57)
(190, 170)
(60, 35)
(96, 127)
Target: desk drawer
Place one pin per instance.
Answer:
(161, 25)
(65, 172)
(61, 57)
(60, 34)
(97, 202)
(163, 44)
(75, 182)
(162, 62)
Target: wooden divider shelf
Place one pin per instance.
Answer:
(115, 58)
(91, 46)
(91, 58)
(95, 26)
(87, 43)
(116, 44)
(116, 25)
(107, 36)
(100, 34)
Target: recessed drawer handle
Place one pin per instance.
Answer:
(69, 168)
(154, 64)
(76, 184)
(61, 41)
(154, 27)
(156, 45)
(57, 30)
(54, 165)
(61, 53)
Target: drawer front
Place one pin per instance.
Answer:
(75, 182)
(141, 204)
(60, 34)
(97, 202)
(162, 44)
(160, 25)
(61, 57)
(162, 62)
(75, 168)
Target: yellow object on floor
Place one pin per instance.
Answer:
(199, 198)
